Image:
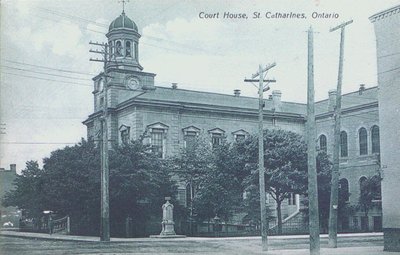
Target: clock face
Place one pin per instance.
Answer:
(133, 84)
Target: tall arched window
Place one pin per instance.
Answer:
(375, 139)
(362, 182)
(363, 140)
(344, 189)
(322, 143)
(343, 144)
(136, 51)
(118, 49)
(128, 49)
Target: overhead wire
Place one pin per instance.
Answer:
(50, 74)
(46, 79)
(50, 68)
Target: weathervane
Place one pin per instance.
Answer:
(123, 4)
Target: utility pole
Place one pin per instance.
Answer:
(311, 154)
(333, 207)
(261, 169)
(105, 205)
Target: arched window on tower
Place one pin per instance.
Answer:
(344, 189)
(118, 49)
(128, 49)
(112, 49)
(343, 144)
(375, 139)
(323, 143)
(363, 141)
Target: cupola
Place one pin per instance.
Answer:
(123, 39)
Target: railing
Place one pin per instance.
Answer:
(59, 226)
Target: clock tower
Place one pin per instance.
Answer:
(124, 78)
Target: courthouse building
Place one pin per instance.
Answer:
(171, 117)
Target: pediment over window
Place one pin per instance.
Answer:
(191, 129)
(216, 131)
(240, 132)
(157, 126)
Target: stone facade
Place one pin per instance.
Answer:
(386, 24)
(166, 116)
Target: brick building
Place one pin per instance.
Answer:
(170, 117)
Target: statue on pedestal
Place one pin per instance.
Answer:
(167, 223)
(168, 218)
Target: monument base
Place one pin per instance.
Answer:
(167, 236)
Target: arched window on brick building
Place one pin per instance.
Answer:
(322, 143)
(343, 144)
(362, 182)
(375, 139)
(363, 140)
(344, 189)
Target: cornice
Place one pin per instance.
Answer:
(348, 110)
(205, 108)
(385, 13)
(112, 68)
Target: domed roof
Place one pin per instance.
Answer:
(123, 22)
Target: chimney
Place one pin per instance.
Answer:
(236, 92)
(361, 89)
(332, 99)
(13, 168)
(276, 100)
(174, 85)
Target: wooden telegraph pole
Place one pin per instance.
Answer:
(333, 207)
(261, 169)
(311, 154)
(105, 205)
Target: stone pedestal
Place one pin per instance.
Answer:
(168, 230)
(168, 219)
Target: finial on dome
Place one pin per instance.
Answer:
(123, 5)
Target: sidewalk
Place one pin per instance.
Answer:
(97, 239)
(349, 244)
(370, 250)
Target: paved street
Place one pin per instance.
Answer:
(368, 244)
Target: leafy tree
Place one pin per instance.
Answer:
(69, 184)
(212, 174)
(27, 186)
(285, 162)
(324, 173)
(370, 189)
(191, 165)
(219, 191)
(139, 182)
(72, 179)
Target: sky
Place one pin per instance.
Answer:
(46, 73)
